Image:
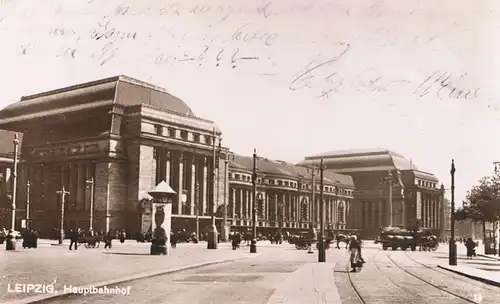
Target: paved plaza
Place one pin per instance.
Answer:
(277, 274)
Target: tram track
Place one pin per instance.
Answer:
(353, 286)
(428, 282)
(455, 277)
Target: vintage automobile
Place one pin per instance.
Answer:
(395, 237)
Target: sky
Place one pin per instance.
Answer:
(290, 78)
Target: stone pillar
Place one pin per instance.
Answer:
(240, 215)
(247, 203)
(251, 204)
(233, 209)
(180, 181)
(167, 168)
(192, 190)
(276, 207)
(403, 213)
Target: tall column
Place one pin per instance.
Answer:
(205, 186)
(240, 215)
(403, 211)
(276, 207)
(233, 209)
(167, 168)
(181, 184)
(80, 187)
(192, 184)
(380, 214)
(248, 204)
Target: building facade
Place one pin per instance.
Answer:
(382, 177)
(116, 138)
(284, 196)
(6, 161)
(108, 142)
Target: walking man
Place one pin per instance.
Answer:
(73, 236)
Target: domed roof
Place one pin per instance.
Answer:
(100, 93)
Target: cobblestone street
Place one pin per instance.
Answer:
(277, 274)
(409, 277)
(49, 264)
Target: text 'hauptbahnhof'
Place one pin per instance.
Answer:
(109, 142)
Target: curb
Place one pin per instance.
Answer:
(489, 257)
(480, 279)
(41, 298)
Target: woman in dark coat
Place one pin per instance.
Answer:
(470, 245)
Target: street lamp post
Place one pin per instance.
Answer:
(229, 156)
(312, 228)
(253, 244)
(322, 249)
(28, 185)
(90, 184)
(453, 247)
(14, 181)
(63, 194)
(213, 234)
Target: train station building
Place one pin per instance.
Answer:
(381, 176)
(110, 141)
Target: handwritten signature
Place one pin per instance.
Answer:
(441, 84)
(105, 31)
(219, 55)
(321, 77)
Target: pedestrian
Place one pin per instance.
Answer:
(173, 239)
(73, 236)
(354, 247)
(471, 248)
(107, 240)
(236, 240)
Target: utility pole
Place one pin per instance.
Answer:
(213, 234)
(224, 216)
(253, 244)
(322, 249)
(90, 184)
(452, 259)
(14, 181)
(389, 181)
(28, 185)
(63, 194)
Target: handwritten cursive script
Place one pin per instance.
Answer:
(243, 34)
(208, 54)
(106, 31)
(443, 84)
(308, 76)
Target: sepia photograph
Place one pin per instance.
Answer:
(249, 151)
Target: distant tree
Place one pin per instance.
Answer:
(482, 203)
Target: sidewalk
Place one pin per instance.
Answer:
(488, 277)
(60, 267)
(313, 283)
